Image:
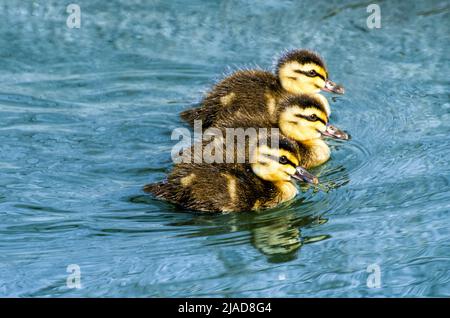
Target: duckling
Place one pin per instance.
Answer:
(302, 118)
(297, 71)
(264, 182)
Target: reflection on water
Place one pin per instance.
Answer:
(86, 117)
(275, 234)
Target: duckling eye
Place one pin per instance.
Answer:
(313, 117)
(283, 160)
(312, 73)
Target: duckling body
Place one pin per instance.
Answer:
(292, 118)
(244, 91)
(220, 188)
(298, 71)
(256, 184)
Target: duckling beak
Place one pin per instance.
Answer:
(332, 87)
(335, 133)
(303, 175)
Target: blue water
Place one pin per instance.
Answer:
(85, 121)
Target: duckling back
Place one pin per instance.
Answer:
(214, 188)
(244, 93)
(298, 71)
(224, 186)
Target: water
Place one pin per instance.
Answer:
(85, 121)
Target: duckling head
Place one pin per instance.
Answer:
(303, 71)
(304, 117)
(280, 163)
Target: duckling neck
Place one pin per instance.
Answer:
(287, 191)
(318, 152)
(325, 103)
(289, 85)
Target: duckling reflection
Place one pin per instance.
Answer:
(281, 239)
(276, 234)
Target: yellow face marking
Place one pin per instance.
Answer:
(300, 134)
(270, 169)
(276, 152)
(312, 66)
(308, 111)
(299, 128)
(288, 155)
(297, 83)
(187, 181)
(227, 99)
(290, 114)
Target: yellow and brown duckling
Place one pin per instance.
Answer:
(263, 182)
(302, 118)
(297, 72)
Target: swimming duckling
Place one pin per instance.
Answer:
(264, 182)
(297, 72)
(302, 118)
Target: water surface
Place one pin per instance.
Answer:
(85, 121)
